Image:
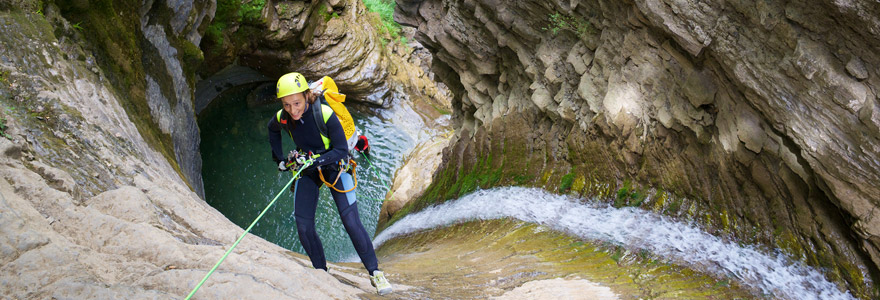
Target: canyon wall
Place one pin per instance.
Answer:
(338, 38)
(758, 120)
(148, 50)
(97, 136)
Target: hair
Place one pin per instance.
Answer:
(310, 96)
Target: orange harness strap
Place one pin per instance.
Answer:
(332, 186)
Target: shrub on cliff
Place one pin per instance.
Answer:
(386, 25)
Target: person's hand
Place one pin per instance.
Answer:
(363, 145)
(306, 162)
(283, 166)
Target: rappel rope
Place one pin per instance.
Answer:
(295, 176)
(246, 231)
(386, 185)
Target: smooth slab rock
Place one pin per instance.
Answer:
(88, 208)
(411, 180)
(558, 288)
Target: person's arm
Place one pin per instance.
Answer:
(275, 140)
(338, 144)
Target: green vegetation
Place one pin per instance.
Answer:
(77, 26)
(521, 179)
(3, 75)
(388, 29)
(282, 8)
(559, 22)
(324, 13)
(629, 196)
(250, 11)
(234, 12)
(618, 254)
(114, 30)
(435, 106)
(3, 128)
(566, 182)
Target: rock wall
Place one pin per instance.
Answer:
(412, 179)
(149, 49)
(336, 38)
(90, 208)
(759, 120)
(172, 28)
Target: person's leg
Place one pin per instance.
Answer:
(346, 204)
(304, 206)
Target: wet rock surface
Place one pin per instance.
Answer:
(762, 116)
(414, 177)
(510, 259)
(210, 88)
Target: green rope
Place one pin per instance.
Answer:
(261, 216)
(387, 187)
(246, 231)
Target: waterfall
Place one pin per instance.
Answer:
(772, 273)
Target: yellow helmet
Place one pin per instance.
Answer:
(291, 83)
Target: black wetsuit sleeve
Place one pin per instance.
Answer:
(338, 144)
(275, 139)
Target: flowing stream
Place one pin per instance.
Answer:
(241, 179)
(773, 274)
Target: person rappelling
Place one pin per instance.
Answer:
(320, 135)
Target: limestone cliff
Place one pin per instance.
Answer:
(90, 207)
(336, 38)
(760, 120)
(149, 49)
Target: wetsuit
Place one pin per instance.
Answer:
(306, 135)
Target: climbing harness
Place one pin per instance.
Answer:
(306, 164)
(343, 167)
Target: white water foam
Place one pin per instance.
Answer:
(684, 244)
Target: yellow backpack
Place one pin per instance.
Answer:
(331, 97)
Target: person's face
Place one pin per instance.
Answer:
(295, 105)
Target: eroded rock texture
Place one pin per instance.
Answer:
(763, 116)
(327, 38)
(148, 47)
(89, 209)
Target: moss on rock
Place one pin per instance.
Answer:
(524, 162)
(112, 28)
(481, 259)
